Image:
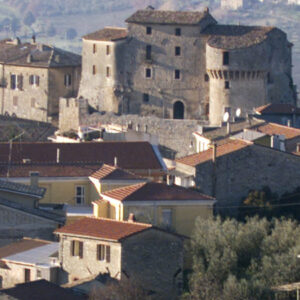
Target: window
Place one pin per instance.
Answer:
(94, 69)
(32, 102)
(167, 217)
(68, 80)
(38, 273)
(107, 49)
(227, 85)
(177, 51)
(225, 58)
(148, 51)
(27, 275)
(146, 97)
(148, 73)
(177, 74)
(77, 248)
(34, 80)
(178, 31)
(15, 101)
(148, 30)
(107, 71)
(79, 195)
(206, 77)
(94, 48)
(269, 78)
(16, 81)
(103, 253)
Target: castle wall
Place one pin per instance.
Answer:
(163, 89)
(103, 90)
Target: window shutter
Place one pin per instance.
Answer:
(20, 82)
(31, 79)
(65, 82)
(13, 81)
(73, 248)
(107, 253)
(37, 80)
(81, 249)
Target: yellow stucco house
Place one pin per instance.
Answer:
(156, 203)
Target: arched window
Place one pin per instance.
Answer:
(178, 110)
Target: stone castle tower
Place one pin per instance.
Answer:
(184, 65)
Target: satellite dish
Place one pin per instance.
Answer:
(226, 116)
(238, 112)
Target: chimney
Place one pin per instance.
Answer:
(34, 178)
(289, 123)
(115, 161)
(131, 218)
(298, 147)
(58, 155)
(18, 41)
(33, 39)
(228, 128)
(29, 58)
(214, 152)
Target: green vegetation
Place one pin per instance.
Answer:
(236, 260)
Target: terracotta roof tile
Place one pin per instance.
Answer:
(107, 34)
(154, 191)
(277, 129)
(20, 246)
(110, 173)
(130, 155)
(278, 108)
(103, 228)
(198, 158)
(151, 16)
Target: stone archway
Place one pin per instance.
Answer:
(178, 110)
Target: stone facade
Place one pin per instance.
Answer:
(33, 78)
(183, 65)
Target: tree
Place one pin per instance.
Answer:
(29, 19)
(71, 34)
(243, 260)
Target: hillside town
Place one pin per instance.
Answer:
(162, 163)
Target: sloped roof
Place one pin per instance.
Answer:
(33, 290)
(278, 129)
(236, 36)
(21, 245)
(107, 34)
(22, 188)
(104, 228)
(114, 173)
(130, 155)
(43, 56)
(198, 158)
(151, 16)
(278, 108)
(154, 191)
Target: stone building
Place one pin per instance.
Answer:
(33, 78)
(149, 257)
(183, 65)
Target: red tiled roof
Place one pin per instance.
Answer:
(20, 246)
(107, 34)
(273, 128)
(104, 228)
(111, 172)
(278, 108)
(198, 158)
(154, 191)
(130, 155)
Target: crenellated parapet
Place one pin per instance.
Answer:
(236, 74)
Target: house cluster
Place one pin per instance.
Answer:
(77, 215)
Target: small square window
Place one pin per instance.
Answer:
(178, 31)
(206, 77)
(177, 74)
(103, 253)
(107, 50)
(148, 73)
(77, 249)
(34, 80)
(225, 58)
(227, 85)
(146, 98)
(177, 51)
(148, 30)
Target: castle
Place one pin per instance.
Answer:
(183, 65)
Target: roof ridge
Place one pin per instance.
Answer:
(140, 184)
(121, 221)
